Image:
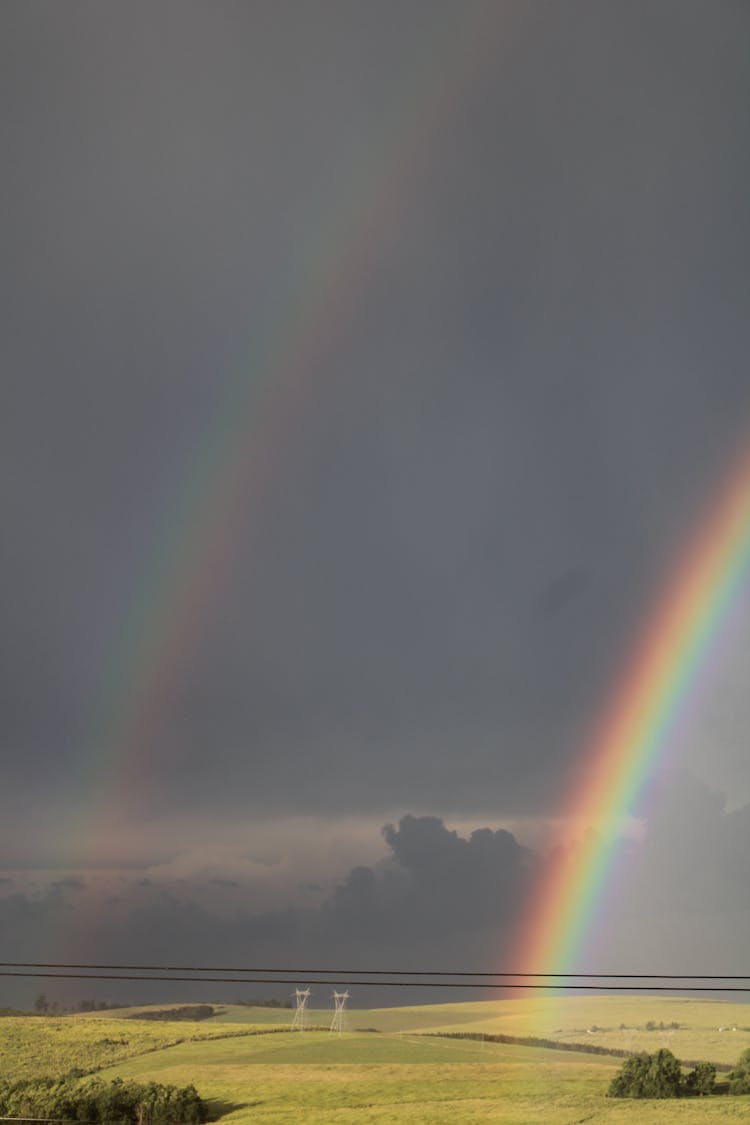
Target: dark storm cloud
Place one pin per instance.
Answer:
(547, 364)
(438, 889)
(450, 897)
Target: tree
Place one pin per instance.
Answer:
(630, 1082)
(739, 1078)
(701, 1080)
(41, 1004)
(664, 1075)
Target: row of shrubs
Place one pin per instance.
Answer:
(550, 1044)
(274, 1002)
(531, 1041)
(660, 1076)
(184, 1012)
(97, 1102)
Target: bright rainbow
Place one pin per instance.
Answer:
(640, 724)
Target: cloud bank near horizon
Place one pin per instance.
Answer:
(435, 899)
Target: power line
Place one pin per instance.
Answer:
(308, 972)
(386, 983)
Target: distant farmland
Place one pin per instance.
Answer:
(251, 1067)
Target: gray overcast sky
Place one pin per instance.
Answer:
(533, 391)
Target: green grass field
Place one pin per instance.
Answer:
(251, 1068)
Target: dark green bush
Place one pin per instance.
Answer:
(659, 1076)
(648, 1076)
(113, 1103)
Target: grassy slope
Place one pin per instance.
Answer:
(34, 1045)
(319, 1078)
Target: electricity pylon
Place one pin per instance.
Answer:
(339, 999)
(301, 996)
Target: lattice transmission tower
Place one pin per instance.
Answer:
(301, 995)
(339, 1015)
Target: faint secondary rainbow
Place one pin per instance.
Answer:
(640, 724)
(186, 570)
